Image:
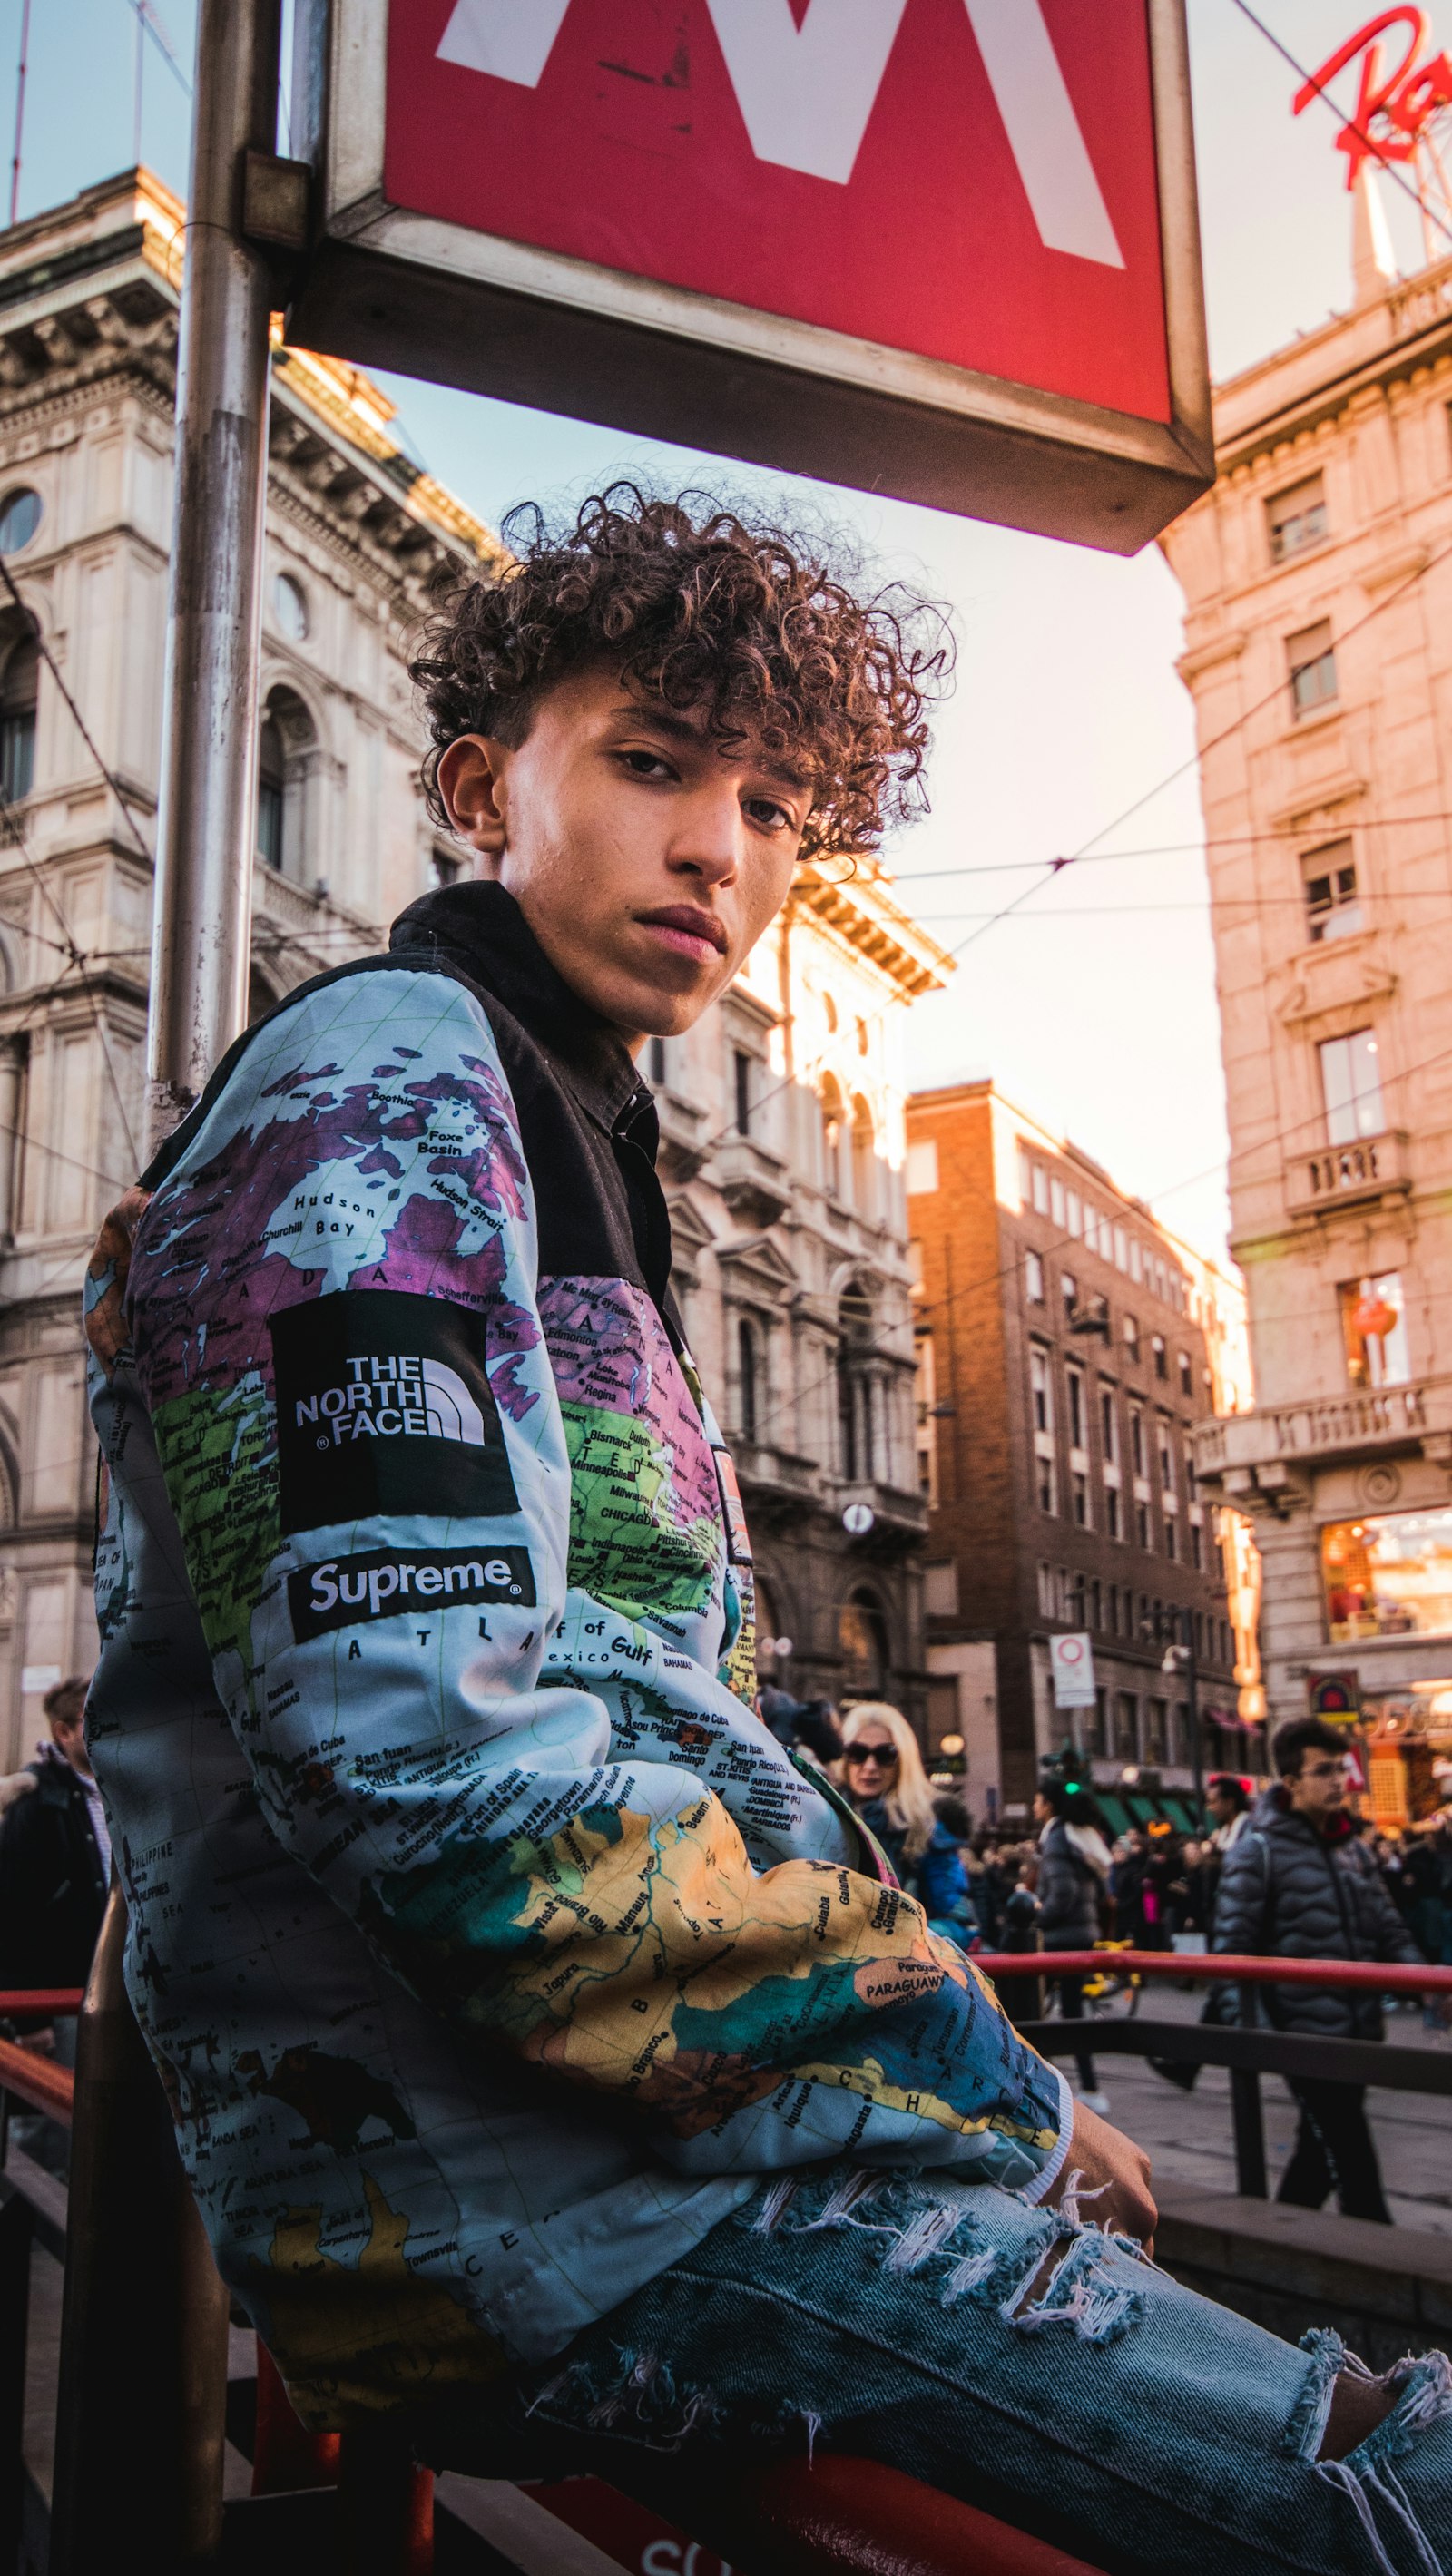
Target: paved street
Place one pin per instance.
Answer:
(1188, 2135)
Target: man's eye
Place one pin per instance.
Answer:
(770, 816)
(647, 764)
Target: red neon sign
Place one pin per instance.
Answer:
(1392, 108)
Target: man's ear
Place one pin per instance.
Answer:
(471, 781)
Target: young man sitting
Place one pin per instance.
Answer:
(553, 2058)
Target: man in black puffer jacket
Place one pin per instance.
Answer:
(1299, 1883)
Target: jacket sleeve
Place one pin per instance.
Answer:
(1058, 1890)
(513, 1787)
(942, 1881)
(1242, 1902)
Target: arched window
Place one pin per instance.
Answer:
(20, 516)
(856, 1392)
(290, 608)
(864, 1160)
(18, 690)
(748, 1375)
(286, 760)
(862, 1643)
(833, 1139)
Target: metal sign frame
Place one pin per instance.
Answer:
(387, 287)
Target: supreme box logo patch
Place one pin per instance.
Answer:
(383, 1406)
(346, 1590)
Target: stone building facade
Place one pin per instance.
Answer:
(792, 1233)
(1319, 655)
(1068, 1345)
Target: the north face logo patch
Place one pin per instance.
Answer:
(383, 1406)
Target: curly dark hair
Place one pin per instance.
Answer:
(704, 610)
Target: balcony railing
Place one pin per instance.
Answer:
(1326, 1426)
(1338, 1176)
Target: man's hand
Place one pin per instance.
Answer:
(1102, 2155)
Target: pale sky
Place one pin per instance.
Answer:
(1095, 1005)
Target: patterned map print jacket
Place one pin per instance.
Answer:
(489, 1946)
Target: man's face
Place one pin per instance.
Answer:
(1221, 1807)
(68, 1735)
(1319, 1787)
(646, 863)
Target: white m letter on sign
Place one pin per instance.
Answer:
(806, 92)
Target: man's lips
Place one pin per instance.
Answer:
(689, 932)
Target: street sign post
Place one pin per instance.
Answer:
(946, 249)
(1071, 1660)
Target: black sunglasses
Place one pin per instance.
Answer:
(883, 1753)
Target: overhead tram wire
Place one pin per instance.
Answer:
(1270, 1136)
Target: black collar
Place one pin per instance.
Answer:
(481, 929)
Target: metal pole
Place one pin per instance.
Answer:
(1192, 1692)
(142, 2401)
(206, 826)
(19, 113)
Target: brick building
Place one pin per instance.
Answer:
(1067, 1343)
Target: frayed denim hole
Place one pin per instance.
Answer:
(1305, 2428)
(1340, 2474)
(1423, 2383)
(640, 2399)
(1086, 2294)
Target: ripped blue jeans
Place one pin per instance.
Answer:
(1016, 2357)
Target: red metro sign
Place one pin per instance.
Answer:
(944, 248)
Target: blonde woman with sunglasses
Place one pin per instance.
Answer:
(882, 1773)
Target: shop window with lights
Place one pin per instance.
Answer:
(1333, 904)
(1374, 1330)
(1390, 1576)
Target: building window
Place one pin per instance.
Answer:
(922, 1168)
(1041, 1388)
(940, 1589)
(832, 1140)
(742, 1078)
(1041, 1189)
(1113, 1511)
(271, 768)
(1142, 1525)
(1079, 1498)
(862, 1644)
(1333, 906)
(18, 692)
(1096, 1608)
(1172, 1538)
(290, 608)
(1167, 1460)
(864, 1160)
(1311, 658)
(1033, 1273)
(747, 1376)
(1126, 1727)
(1374, 1330)
(1187, 1376)
(1197, 1547)
(1046, 1590)
(1069, 1291)
(1078, 1411)
(1131, 1337)
(1121, 1248)
(447, 865)
(20, 516)
(1073, 1212)
(1056, 1202)
(1044, 1483)
(1160, 1356)
(1136, 1440)
(287, 756)
(1351, 1087)
(856, 1405)
(657, 1060)
(1296, 519)
(1108, 1427)
(1389, 1577)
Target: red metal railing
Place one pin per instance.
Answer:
(46, 2087)
(39, 2003)
(1228, 1966)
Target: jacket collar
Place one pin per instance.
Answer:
(481, 929)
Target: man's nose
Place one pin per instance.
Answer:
(710, 838)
